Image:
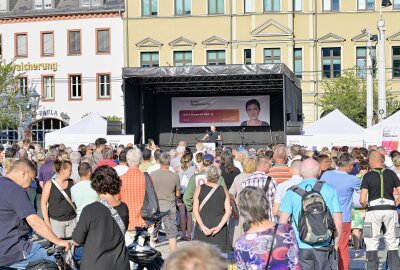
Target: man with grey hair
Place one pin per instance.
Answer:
(75, 158)
(260, 179)
(107, 158)
(295, 153)
(318, 256)
(133, 188)
(345, 185)
(167, 187)
(283, 187)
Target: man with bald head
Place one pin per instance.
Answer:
(319, 256)
(280, 171)
(381, 215)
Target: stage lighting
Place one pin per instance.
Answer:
(386, 3)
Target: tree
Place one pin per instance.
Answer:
(8, 104)
(349, 94)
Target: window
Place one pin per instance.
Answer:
(75, 86)
(216, 7)
(183, 58)
(48, 87)
(366, 4)
(182, 7)
(47, 43)
(361, 61)
(298, 5)
(43, 4)
(272, 56)
(21, 45)
(22, 84)
(396, 4)
(272, 5)
(248, 6)
(149, 59)
(331, 62)
(74, 42)
(3, 5)
(331, 5)
(149, 8)
(91, 3)
(216, 57)
(396, 61)
(103, 86)
(103, 41)
(247, 56)
(298, 62)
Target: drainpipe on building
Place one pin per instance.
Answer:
(231, 33)
(315, 37)
(127, 32)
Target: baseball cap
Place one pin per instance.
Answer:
(208, 157)
(252, 152)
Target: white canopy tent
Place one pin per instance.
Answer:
(85, 131)
(385, 133)
(334, 129)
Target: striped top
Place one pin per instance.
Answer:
(280, 172)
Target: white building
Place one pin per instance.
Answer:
(70, 52)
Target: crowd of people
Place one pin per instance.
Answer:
(278, 207)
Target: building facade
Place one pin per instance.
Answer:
(70, 52)
(317, 39)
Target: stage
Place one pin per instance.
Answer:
(148, 93)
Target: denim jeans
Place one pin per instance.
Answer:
(37, 253)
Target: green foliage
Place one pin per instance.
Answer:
(349, 94)
(114, 118)
(8, 85)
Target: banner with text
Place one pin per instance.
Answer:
(221, 111)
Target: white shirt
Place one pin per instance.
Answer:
(121, 169)
(238, 165)
(156, 167)
(298, 157)
(284, 186)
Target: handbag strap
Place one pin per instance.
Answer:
(63, 193)
(114, 215)
(271, 247)
(207, 197)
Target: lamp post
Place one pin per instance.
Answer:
(382, 63)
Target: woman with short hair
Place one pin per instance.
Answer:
(212, 209)
(102, 225)
(266, 245)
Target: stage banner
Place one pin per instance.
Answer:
(220, 111)
(390, 138)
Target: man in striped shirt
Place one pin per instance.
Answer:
(280, 171)
(260, 178)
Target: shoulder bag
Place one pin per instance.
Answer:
(207, 197)
(64, 194)
(114, 214)
(271, 248)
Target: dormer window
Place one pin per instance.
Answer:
(43, 4)
(91, 3)
(3, 5)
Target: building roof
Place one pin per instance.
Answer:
(26, 8)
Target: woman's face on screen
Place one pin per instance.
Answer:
(253, 111)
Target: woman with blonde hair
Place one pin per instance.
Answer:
(186, 170)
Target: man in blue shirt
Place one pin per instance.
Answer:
(345, 185)
(17, 215)
(312, 257)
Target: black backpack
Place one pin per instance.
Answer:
(42, 265)
(151, 208)
(315, 220)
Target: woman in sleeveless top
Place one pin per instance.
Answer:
(212, 217)
(58, 212)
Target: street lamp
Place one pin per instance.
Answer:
(382, 63)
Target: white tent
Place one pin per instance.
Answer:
(385, 133)
(334, 129)
(85, 131)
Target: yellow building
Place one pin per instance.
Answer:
(314, 38)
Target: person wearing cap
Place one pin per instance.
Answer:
(197, 180)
